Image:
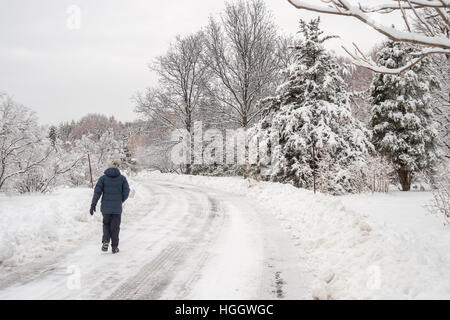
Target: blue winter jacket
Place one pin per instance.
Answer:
(115, 190)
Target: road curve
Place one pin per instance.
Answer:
(190, 242)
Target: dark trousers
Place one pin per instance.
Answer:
(111, 229)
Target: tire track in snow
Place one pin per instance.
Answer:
(188, 255)
(48, 265)
(186, 242)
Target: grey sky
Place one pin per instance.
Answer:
(63, 74)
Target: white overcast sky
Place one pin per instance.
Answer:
(64, 74)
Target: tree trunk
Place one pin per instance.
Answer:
(246, 168)
(404, 175)
(188, 168)
(314, 167)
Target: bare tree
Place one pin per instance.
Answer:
(153, 150)
(95, 125)
(285, 50)
(439, 67)
(183, 80)
(242, 55)
(42, 177)
(358, 80)
(435, 42)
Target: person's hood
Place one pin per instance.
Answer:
(112, 172)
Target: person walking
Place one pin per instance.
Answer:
(114, 190)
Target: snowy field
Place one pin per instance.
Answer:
(382, 246)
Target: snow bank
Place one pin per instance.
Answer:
(37, 225)
(357, 247)
(33, 225)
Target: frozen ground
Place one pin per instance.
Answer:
(202, 237)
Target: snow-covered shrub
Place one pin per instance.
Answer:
(31, 181)
(59, 165)
(441, 197)
(22, 142)
(35, 158)
(440, 183)
(438, 66)
(76, 178)
(375, 174)
(155, 156)
(217, 170)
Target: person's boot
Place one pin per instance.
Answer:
(115, 250)
(105, 246)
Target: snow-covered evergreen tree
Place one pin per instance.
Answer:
(308, 125)
(403, 129)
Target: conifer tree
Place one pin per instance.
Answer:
(402, 124)
(308, 126)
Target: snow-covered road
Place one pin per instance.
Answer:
(188, 242)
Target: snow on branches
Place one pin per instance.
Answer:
(432, 42)
(402, 117)
(312, 134)
(21, 149)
